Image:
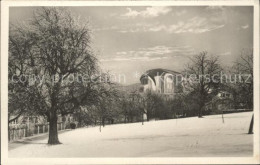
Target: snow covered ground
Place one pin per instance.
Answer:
(194, 136)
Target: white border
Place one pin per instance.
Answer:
(176, 160)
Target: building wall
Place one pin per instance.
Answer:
(150, 85)
(164, 83)
(168, 83)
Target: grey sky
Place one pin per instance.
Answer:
(131, 40)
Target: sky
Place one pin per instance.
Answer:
(130, 40)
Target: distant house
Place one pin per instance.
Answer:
(38, 119)
(162, 81)
(28, 125)
(223, 101)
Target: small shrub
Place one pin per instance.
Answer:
(72, 125)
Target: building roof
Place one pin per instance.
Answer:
(157, 72)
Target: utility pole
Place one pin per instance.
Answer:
(223, 117)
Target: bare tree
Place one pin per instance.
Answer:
(244, 68)
(201, 80)
(152, 104)
(57, 49)
(244, 87)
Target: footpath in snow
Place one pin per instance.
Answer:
(190, 137)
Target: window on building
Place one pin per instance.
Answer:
(169, 84)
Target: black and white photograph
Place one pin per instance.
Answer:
(149, 81)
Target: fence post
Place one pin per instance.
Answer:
(28, 131)
(38, 129)
(24, 132)
(43, 129)
(13, 134)
(19, 132)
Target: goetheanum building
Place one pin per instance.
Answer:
(162, 81)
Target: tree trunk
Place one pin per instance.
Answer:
(223, 117)
(103, 121)
(250, 131)
(8, 132)
(100, 123)
(79, 120)
(201, 107)
(235, 101)
(53, 131)
(147, 116)
(142, 118)
(199, 113)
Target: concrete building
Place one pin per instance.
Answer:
(162, 81)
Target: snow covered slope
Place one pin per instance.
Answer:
(194, 136)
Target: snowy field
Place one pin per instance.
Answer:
(194, 136)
